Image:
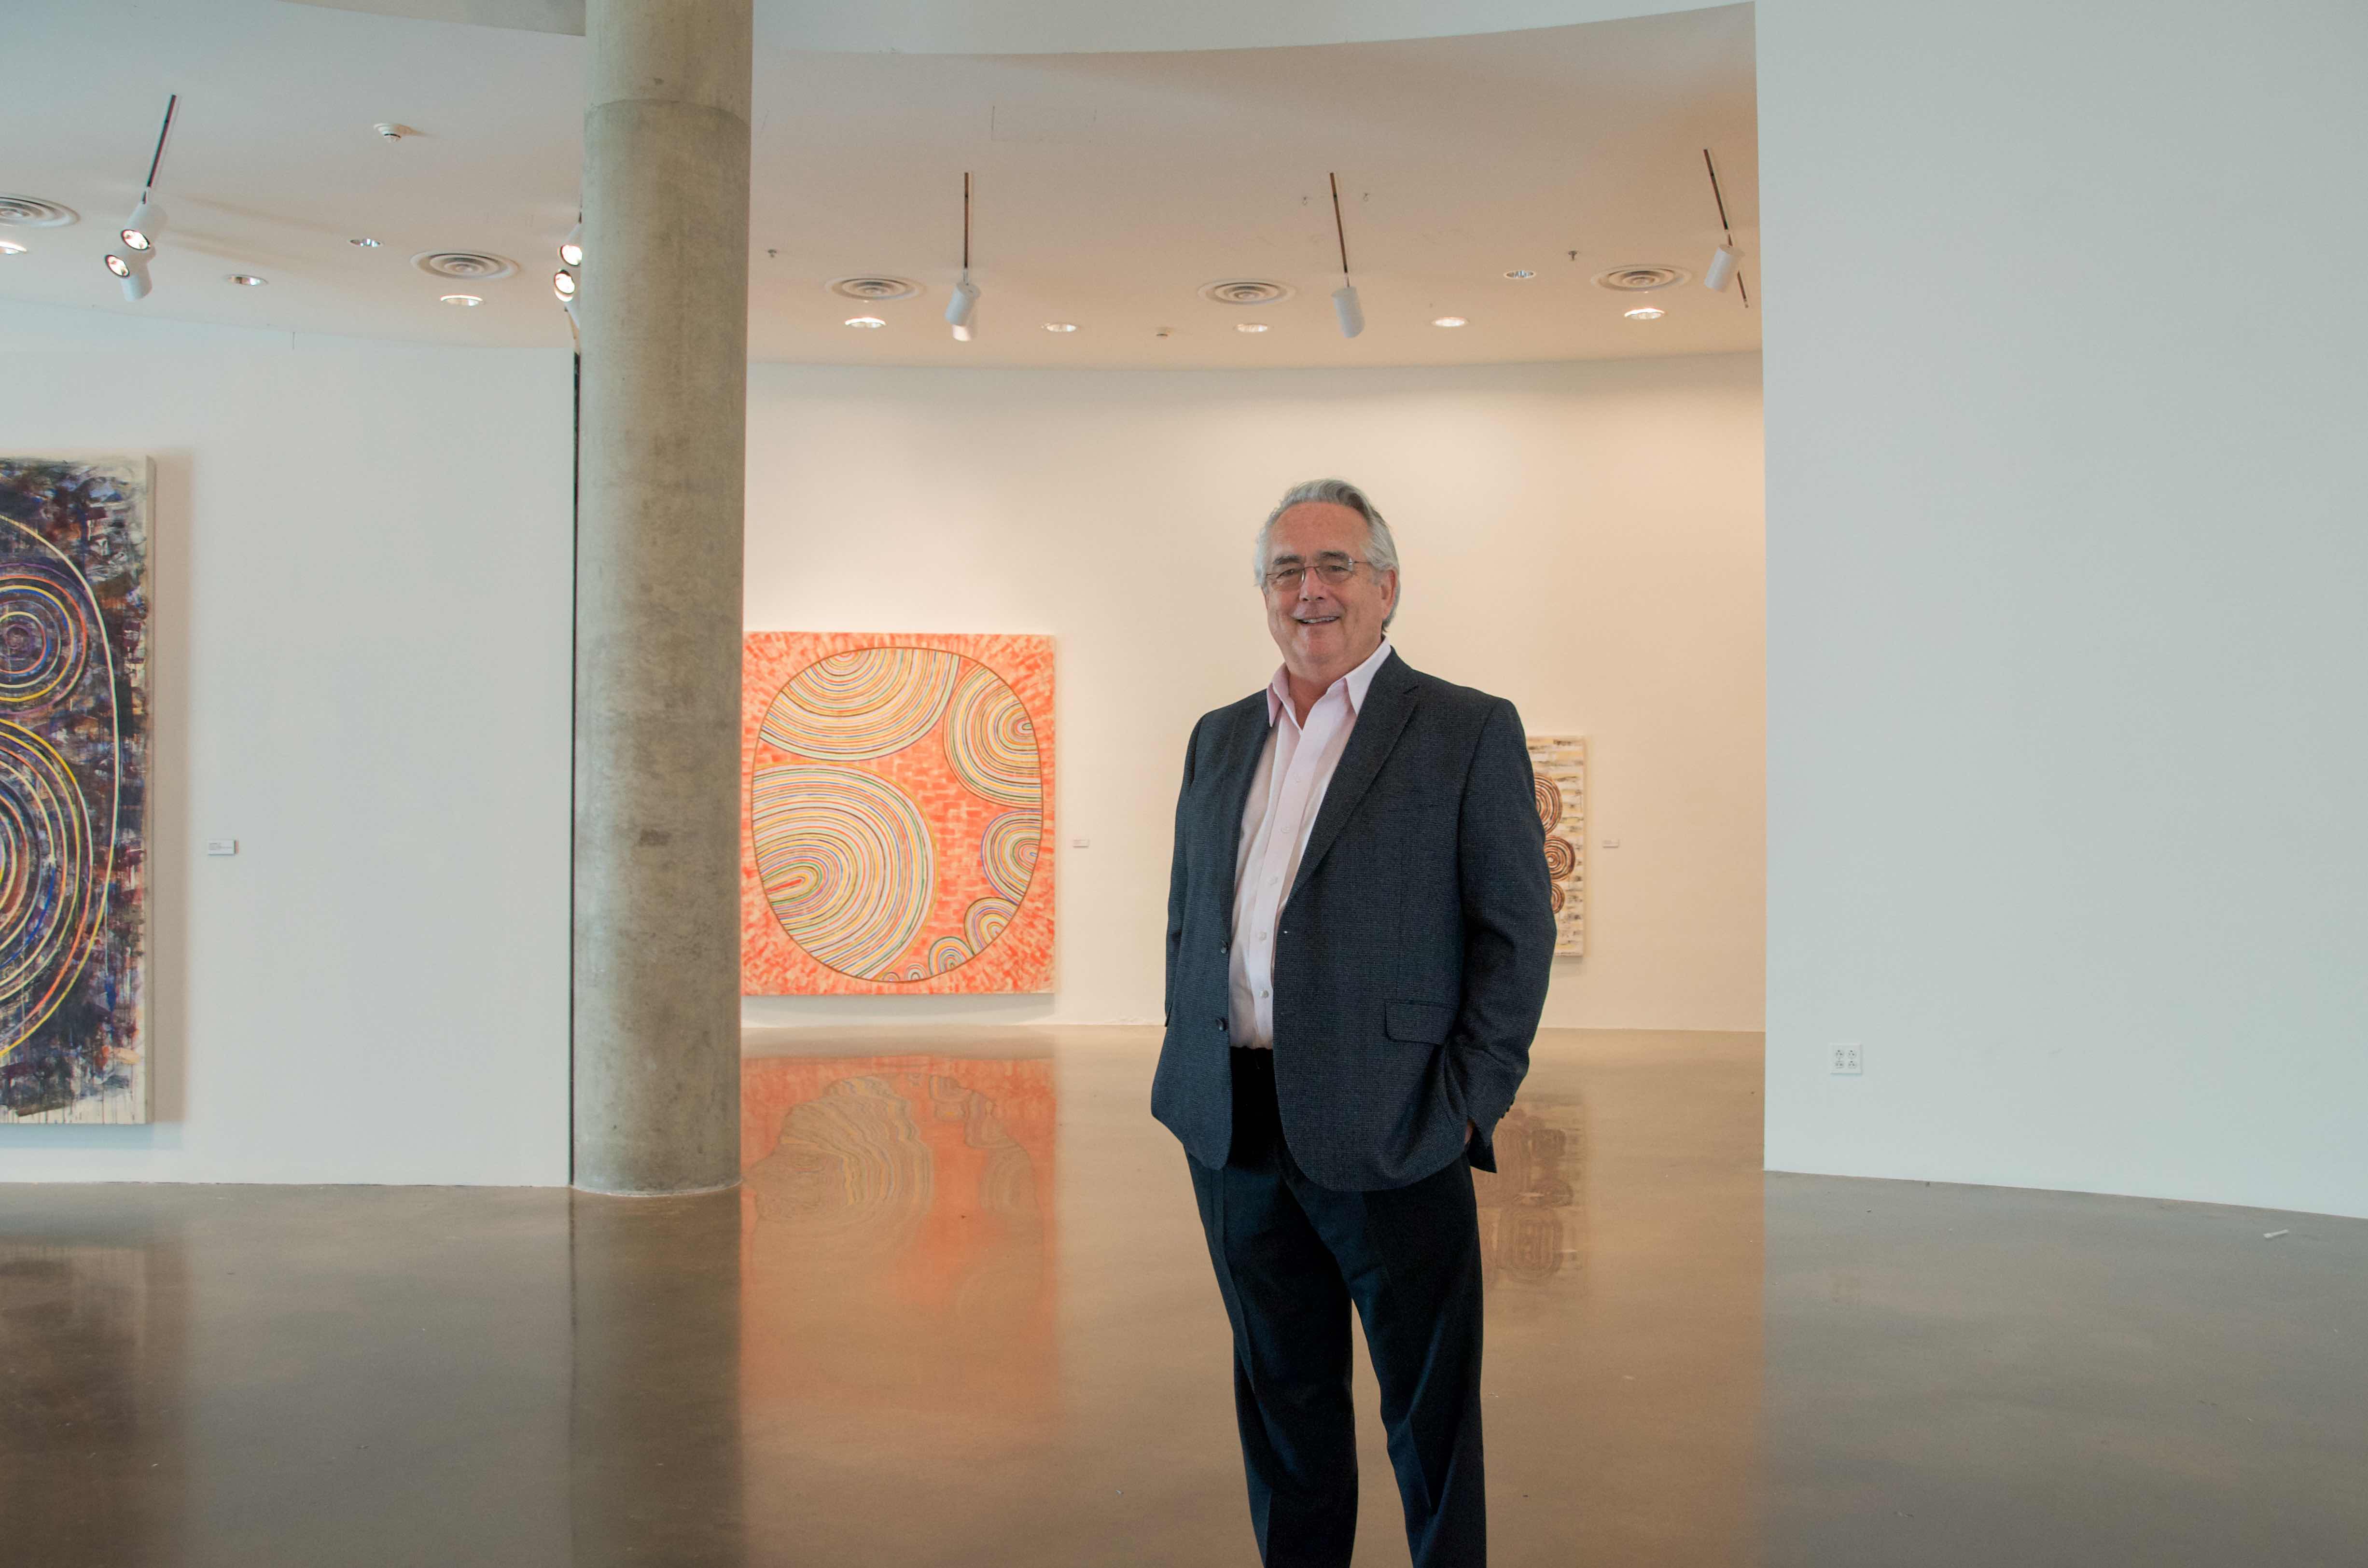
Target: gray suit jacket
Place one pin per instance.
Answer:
(1411, 962)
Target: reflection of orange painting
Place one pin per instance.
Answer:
(897, 819)
(897, 1234)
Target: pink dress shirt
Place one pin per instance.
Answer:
(1286, 792)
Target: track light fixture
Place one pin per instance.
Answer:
(964, 304)
(1344, 298)
(138, 235)
(133, 270)
(147, 221)
(1722, 261)
(563, 282)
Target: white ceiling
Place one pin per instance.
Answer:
(1109, 187)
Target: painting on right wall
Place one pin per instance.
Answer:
(1558, 767)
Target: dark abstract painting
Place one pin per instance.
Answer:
(74, 783)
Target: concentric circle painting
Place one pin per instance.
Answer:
(899, 818)
(74, 790)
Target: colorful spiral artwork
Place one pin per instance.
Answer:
(987, 919)
(46, 629)
(847, 862)
(1007, 852)
(864, 703)
(1562, 859)
(47, 901)
(1549, 800)
(73, 741)
(1558, 775)
(991, 742)
(846, 890)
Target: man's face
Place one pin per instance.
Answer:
(1325, 629)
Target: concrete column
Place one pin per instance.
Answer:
(664, 315)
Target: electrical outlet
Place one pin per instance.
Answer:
(1845, 1061)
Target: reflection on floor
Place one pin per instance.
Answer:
(959, 1313)
(896, 1224)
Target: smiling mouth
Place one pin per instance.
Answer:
(1315, 619)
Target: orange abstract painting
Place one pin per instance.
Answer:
(897, 832)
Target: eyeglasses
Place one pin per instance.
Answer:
(1333, 570)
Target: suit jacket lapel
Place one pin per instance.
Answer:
(1229, 791)
(1389, 703)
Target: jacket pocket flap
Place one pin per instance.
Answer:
(1423, 1023)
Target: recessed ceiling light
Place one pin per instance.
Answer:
(10, 247)
(1448, 320)
(1646, 312)
(867, 323)
(1520, 274)
(464, 299)
(1249, 326)
(365, 241)
(1060, 326)
(246, 280)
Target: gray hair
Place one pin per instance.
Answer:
(1381, 549)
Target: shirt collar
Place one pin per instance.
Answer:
(1358, 681)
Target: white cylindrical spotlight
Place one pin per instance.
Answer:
(132, 270)
(139, 230)
(960, 308)
(1352, 314)
(571, 249)
(1721, 270)
(563, 285)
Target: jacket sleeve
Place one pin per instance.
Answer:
(1508, 929)
(1176, 873)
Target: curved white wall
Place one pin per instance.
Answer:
(361, 574)
(2068, 815)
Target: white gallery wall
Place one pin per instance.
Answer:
(362, 580)
(2068, 814)
(1583, 538)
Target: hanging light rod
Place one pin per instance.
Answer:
(163, 131)
(965, 296)
(1344, 298)
(1722, 261)
(139, 230)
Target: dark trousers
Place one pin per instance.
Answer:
(1290, 1257)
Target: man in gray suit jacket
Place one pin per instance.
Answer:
(1358, 933)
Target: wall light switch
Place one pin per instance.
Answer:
(221, 846)
(1081, 844)
(1612, 844)
(1846, 1060)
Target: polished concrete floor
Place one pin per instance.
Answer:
(960, 1314)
